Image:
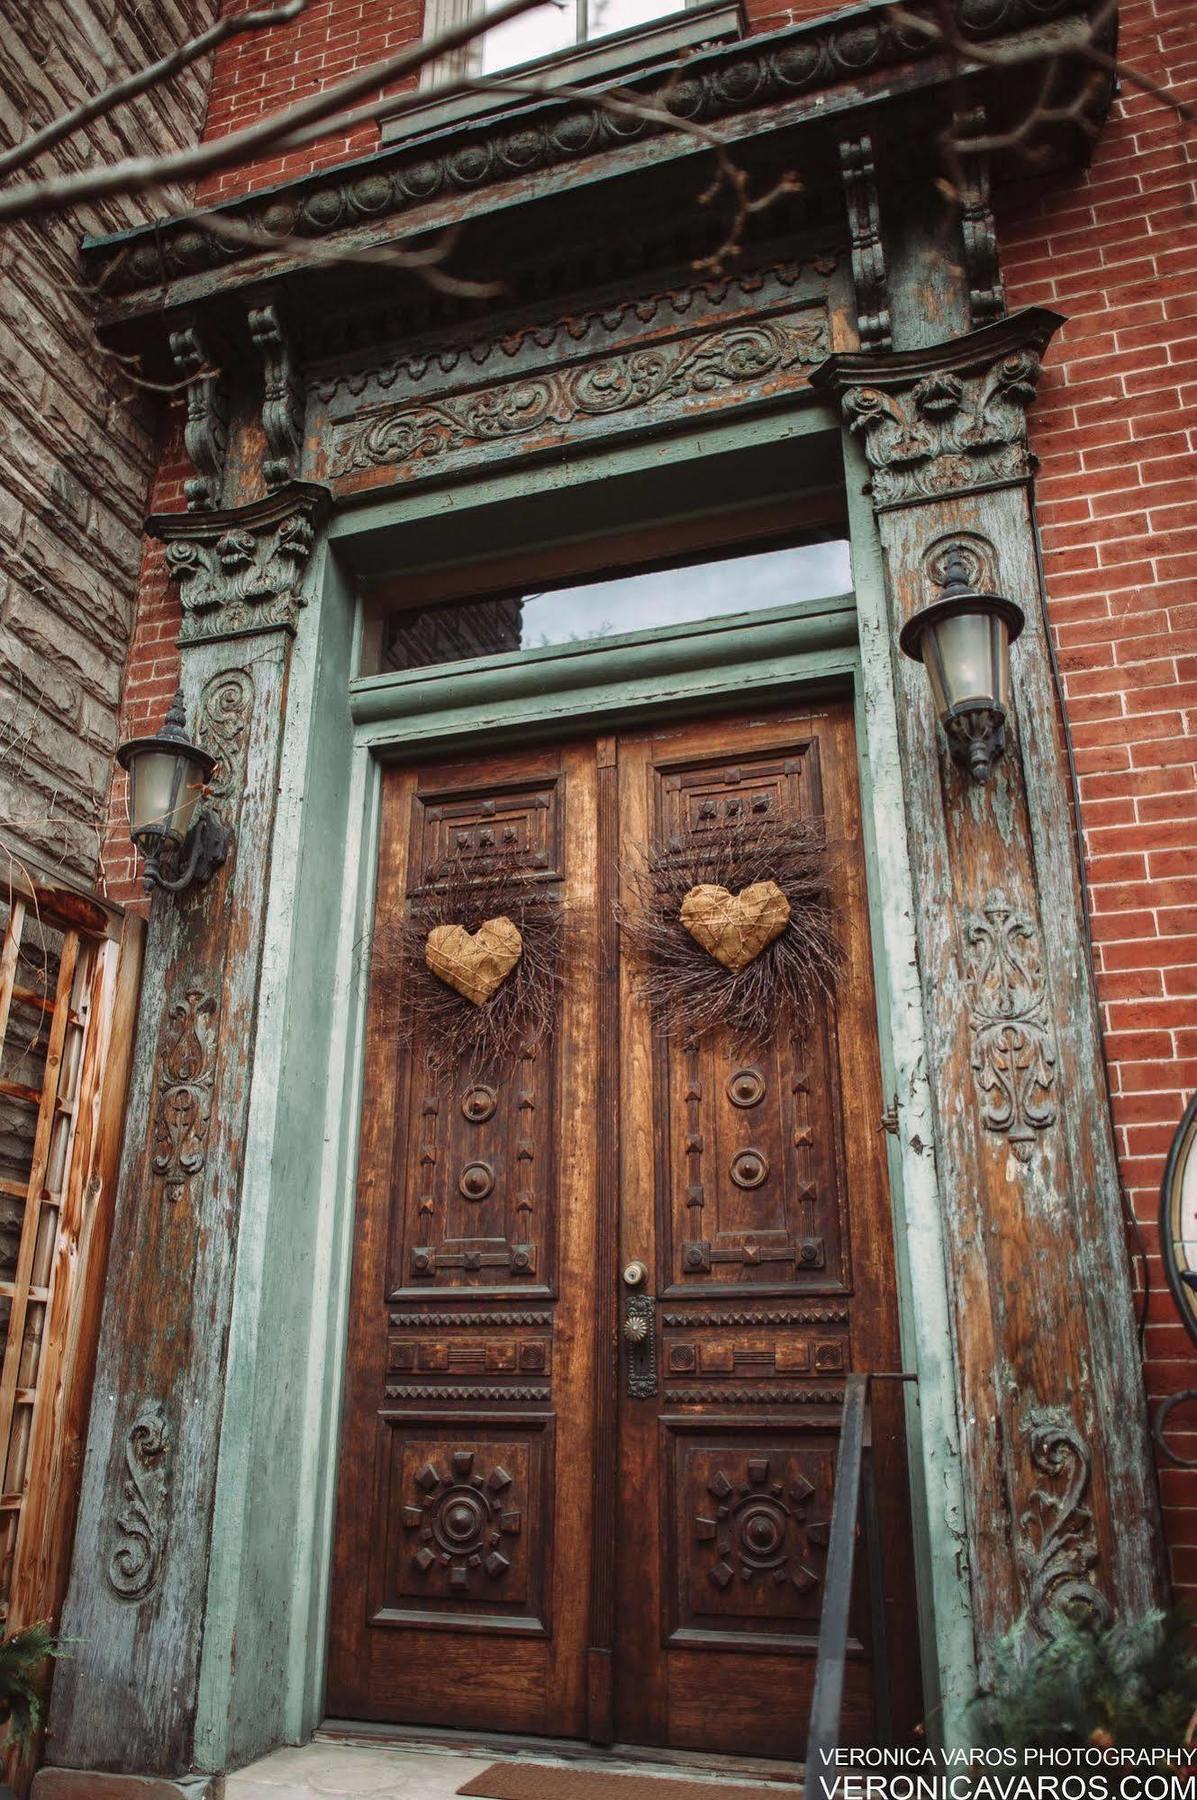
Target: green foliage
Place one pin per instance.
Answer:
(1132, 1684)
(22, 1657)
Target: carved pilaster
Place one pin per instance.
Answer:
(1054, 1444)
(868, 252)
(282, 396)
(241, 572)
(207, 429)
(184, 1205)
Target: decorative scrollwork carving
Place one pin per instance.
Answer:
(186, 1081)
(986, 294)
(1058, 1544)
(225, 709)
(868, 256)
(1013, 1053)
(135, 1564)
(283, 397)
(735, 356)
(207, 429)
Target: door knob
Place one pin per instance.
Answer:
(635, 1328)
(635, 1275)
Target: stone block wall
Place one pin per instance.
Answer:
(78, 444)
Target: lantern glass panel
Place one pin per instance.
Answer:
(165, 788)
(967, 658)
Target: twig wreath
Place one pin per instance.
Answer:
(672, 919)
(488, 1031)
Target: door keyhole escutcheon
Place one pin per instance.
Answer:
(640, 1345)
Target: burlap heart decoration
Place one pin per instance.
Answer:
(477, 963)
(735, 928)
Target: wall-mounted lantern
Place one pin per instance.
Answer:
(180, 839)
(963, 640)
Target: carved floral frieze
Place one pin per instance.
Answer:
(139, 1521)
(1058, 1547)
(733, 359)
(1012, 1043)
(241, 572)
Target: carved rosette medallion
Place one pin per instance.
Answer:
(462, 1519)
(1058, 1544)
(241, 572)
(139, 1526)
(186, 1081)
(757, 1528)
(1012, 1047)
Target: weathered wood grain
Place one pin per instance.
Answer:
(1061, 1501)
(127, 1700)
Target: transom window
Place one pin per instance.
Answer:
(602, 610)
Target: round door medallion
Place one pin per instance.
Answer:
(749, 1168)
(479, 1104)
(476, 1181)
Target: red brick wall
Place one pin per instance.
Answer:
(1114, 249)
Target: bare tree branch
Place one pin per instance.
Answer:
(139, 175)
(173, 63)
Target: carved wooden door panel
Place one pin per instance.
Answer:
(753, 1189)
(539, 1530)
(461, 1569)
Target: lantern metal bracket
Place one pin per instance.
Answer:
(203, 851)
(976, 738)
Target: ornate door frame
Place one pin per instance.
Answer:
(841, 642)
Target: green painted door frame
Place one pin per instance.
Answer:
(264, 1647)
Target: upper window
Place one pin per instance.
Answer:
(549, 29)
(579, 40)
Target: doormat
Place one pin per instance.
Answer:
(538, 1781)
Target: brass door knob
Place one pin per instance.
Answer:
(635, 1328)
(635, 1275)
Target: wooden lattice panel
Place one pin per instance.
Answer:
(67, 994)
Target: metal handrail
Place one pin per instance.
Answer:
(855, 1490)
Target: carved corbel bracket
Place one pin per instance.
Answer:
(241, 571)
(283, 392)
(859, 175)
(986, 293)
(949, 419)
(200, 361)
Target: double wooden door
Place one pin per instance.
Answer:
(547, 1524)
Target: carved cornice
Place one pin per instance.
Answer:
(851, 56)
(241, 571)
(948, 419)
